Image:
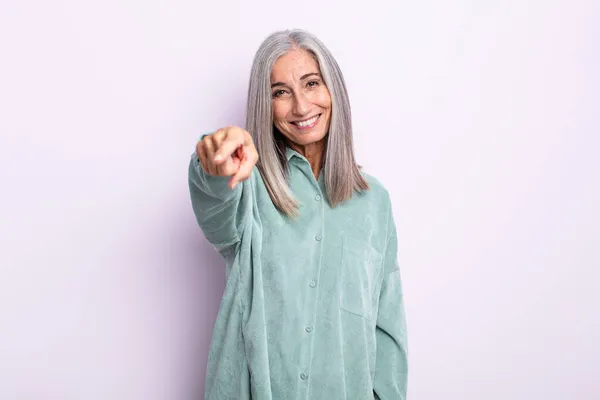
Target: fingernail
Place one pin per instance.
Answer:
(218, 157)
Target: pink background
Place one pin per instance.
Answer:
(481, 118)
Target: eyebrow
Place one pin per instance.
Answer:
(302, 78)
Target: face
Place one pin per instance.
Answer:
(301, 101)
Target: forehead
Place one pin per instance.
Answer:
(293, 65)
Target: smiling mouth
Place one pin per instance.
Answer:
(309, 123)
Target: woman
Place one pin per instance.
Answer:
(313, 305)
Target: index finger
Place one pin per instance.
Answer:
(228, 146)
(244, 170)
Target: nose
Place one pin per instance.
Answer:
(301, 105)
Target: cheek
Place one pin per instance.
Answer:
(280, 111)
(323, 99)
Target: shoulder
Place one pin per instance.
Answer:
(376, 200)
(377, 189)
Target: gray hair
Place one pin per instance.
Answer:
(341, 172)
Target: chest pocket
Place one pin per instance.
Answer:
(360, 271)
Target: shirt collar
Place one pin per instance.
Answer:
(289, 152)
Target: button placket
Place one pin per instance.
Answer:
(311, 313)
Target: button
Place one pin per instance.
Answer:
(308, 329)
(313, 283)
(317, 197)
(303, 376)
(318, 237)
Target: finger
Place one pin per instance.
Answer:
(210, 153)
(229, 167)
(246, 165)
(229, 145)
(201, 154)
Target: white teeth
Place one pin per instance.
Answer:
(307, 123)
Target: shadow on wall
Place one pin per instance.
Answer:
(197, 281)
(197, 269)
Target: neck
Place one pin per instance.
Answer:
(313, 152)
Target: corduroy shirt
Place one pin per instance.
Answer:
(313, 306)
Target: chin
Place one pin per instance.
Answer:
(308, 137)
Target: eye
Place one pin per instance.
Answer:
(278, 93)
(313, 83)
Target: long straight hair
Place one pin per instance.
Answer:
(341, 172)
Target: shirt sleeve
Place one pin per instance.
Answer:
(219, 210)
(391, 363)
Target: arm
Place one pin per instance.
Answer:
(219, 209)
(391, 365)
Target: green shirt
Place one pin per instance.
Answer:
(313, 307)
